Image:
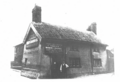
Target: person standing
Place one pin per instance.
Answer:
(63, 69)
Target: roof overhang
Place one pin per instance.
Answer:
(31, 26)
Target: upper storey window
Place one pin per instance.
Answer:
(96, 50)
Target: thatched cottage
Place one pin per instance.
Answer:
(45, 43)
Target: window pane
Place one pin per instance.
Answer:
(97, 63)
(96, 49)
(74, 62)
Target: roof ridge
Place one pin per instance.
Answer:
(65, 27)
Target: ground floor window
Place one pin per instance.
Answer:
(74, 62)
(97, 62)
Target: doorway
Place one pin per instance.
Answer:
(55, 66)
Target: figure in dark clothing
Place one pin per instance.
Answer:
(63, 69)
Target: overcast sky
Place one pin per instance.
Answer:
(16, 15)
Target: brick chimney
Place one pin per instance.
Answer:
(93, 28)
(36, 14)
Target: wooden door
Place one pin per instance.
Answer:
(55, 66)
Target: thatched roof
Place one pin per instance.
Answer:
(57, 32)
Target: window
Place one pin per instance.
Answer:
(74, 48)
(96, 50)
(97, 62)
(74, 62)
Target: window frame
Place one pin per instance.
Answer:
(74, 62)
(96, 61)
(96, 50)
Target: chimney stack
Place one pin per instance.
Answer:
(93, 28)
(36, 14)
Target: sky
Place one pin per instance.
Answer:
(16, 15)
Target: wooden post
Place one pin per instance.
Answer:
(91, 55)
(64, 56)
(64, 52)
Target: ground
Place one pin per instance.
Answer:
(14, 76)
